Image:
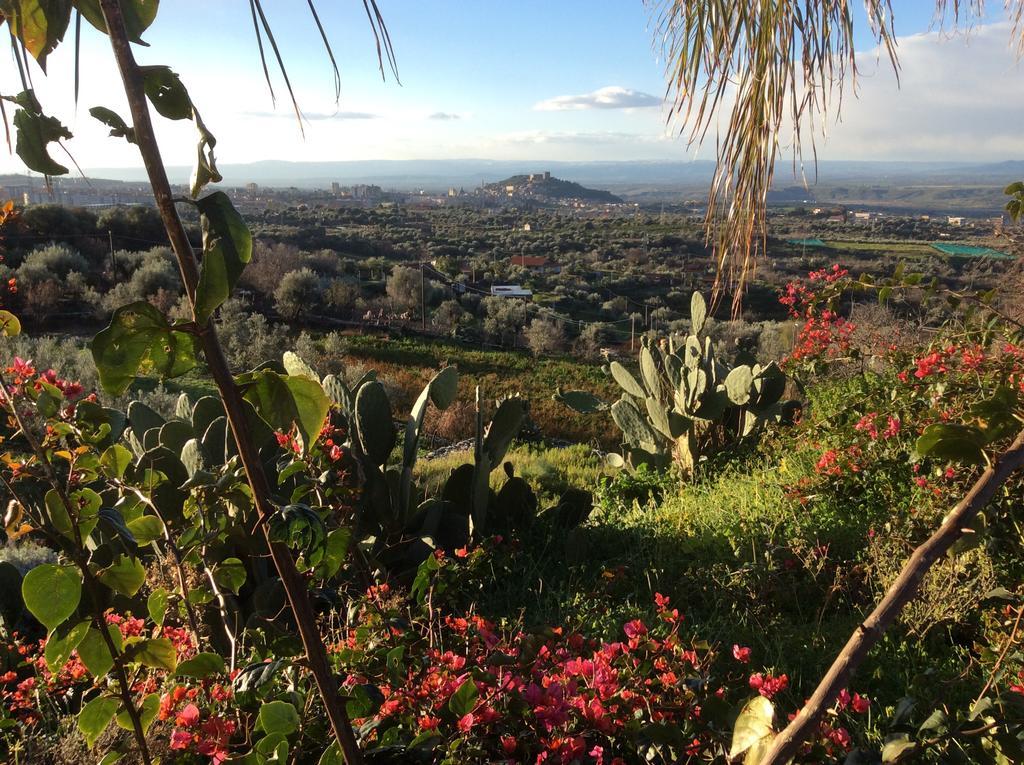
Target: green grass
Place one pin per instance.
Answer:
(549, 471)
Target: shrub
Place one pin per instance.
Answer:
(298, 293)
(546, 337)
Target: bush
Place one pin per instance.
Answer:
(248, 338)
(298, 293)
(546, 337)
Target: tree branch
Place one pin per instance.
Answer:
(294, 586)
(902, 591)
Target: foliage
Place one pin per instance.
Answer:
(689, 403)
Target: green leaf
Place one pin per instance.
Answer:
(332, 755)
(95, 653)
(896, 746)
(52, 593)
(146, 529)
(148, 711)
(86, 503)
(156, 604)
(39, 24)
(227, 248)
(125, 575)
(118, 127)
(335, 552)
(278, 717)
(139, 341)
(951, 441)
(282, 401)
(200, 666)
(59, 647)
(166, 92)
(230, 573)
(9, 324)
(158, 653)
(95, 717)
(115, 461)
(463, 701)
(753, 729)
(137, 15)
(35, 132)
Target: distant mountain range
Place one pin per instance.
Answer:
(440, 174)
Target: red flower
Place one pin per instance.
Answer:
(860, 704)
(741, 654)
(188, 716)
(466, 723)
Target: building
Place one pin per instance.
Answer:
(955, 220)
(512, 291)
(540, 264)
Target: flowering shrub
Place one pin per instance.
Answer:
(468, 690)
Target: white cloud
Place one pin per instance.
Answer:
(957, 99)
(611, 97)
(444, 116)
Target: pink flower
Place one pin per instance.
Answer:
(635, 629)
(181, 739)
(741, 654)
(466, 723)
(860, 704)
(188, 716)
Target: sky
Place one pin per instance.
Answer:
(576, 80)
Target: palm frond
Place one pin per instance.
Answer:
(382, 38)
(766, 64)
(78, 51)
(263, 55)
(280, 62)
(330, 52)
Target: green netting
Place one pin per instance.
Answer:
(968, 251)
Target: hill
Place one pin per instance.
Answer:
(542, 187)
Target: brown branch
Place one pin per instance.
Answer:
(76, 553)
(902, 591)
(294, 585)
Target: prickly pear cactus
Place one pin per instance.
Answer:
(685, 401)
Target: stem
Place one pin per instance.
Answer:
(294, 586)
(75, 552)
(175, 553)
(902, 591)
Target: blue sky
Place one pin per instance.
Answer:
(511, 80)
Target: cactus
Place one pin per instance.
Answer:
(375, 427)
(686, 399)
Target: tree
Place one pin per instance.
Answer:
(546, 337)
(448, 315)
(403, 288)
(504, 318)
(298, 293)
